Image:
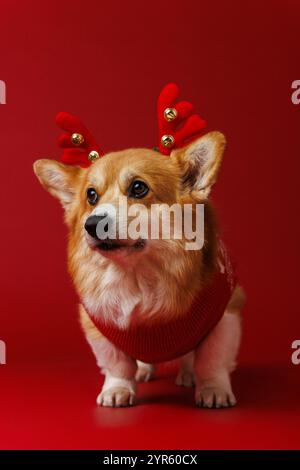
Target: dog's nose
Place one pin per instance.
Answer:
(91, 225)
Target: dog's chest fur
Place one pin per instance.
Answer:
(122, 295)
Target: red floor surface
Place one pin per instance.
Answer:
(53, 406)
(106, 62)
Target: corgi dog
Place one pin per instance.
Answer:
(124, 282)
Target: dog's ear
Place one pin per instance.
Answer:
(59, 179)
(200, 162)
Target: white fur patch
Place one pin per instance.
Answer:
(112, 382)
(115, 293)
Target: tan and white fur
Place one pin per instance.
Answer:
(151, 280)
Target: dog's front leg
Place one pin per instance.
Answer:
(214, 360)
(145, 372)
(119, 388)
(185, 376)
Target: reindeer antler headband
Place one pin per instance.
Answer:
(178, 124)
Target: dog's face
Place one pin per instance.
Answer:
(109, 205)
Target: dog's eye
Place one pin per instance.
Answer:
(92, 196)
(138, 189)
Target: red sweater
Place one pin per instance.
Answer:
(172, 338)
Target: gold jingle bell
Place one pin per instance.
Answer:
(168, 141)
(93, 155)
(77, 139)
(170, 114)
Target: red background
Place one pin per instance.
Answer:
(106, 62)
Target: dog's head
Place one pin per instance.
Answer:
(109, 206)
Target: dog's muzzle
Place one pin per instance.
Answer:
(91, 224)
(106, 243)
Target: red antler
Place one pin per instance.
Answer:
(177, 123)
(80, 147)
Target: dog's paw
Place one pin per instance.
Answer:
(116, 397)
(145, 372)
(185, 378)
(214, 397)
